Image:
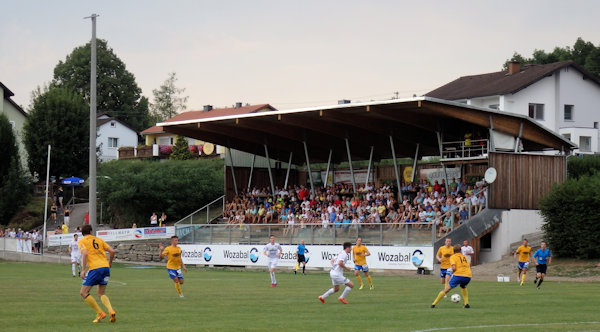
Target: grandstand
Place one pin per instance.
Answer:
(282, 161)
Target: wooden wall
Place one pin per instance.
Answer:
(523, 179)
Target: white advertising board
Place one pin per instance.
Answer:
(382, 257)
(62, 239)
(145, 233)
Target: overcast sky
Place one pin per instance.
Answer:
(290, 54)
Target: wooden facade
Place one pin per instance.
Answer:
(523, 179)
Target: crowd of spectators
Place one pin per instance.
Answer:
(35, 236)
(427, 205)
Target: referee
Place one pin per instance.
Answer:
(543, 257)
(301, 250)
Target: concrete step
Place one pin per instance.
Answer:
(534, 239)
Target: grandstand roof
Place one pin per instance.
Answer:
(407, 121)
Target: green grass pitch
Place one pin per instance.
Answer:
(44, 297)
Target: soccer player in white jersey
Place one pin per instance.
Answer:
(273, 251)
(75, 256)
(337, 275)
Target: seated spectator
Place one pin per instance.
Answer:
(392, 218)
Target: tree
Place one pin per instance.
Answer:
(181, 150)
(133, 189)
(13, 188)
(168, 100)
(59, 117)
(582, 53)
(118, 93)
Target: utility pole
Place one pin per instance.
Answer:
(92, 160)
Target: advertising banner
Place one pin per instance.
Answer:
(382, 257)
(136, 233)
(61, 239)
(437, 174)
(344, 176)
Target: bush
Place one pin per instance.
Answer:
(578, 166)
(136, 188)
(572, 212)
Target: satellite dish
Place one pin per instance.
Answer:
(490, 175)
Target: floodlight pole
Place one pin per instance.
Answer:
(92, 154)
(46, 200)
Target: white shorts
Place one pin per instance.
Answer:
(338, 279)
(76, 259)
(272, 263)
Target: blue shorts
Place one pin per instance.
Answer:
(364, 268)
(175, 274)
(97, 276)
(445, 272)
(458, 280)
(523, 265)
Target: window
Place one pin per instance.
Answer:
(536, 111)
(113, 124)
(113, 142)
(567, 136)
(165, 140)
(585, 143)
(486, 241)
(494, 106)
(568, 112)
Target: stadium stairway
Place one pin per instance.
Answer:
(481, 223)
(534, 239)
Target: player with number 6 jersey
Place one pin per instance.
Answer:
(93, 254)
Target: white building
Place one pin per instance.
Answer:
(561, 96)
(113, 134)
(17, 118)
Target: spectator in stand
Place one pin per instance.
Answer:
(437, 187)
(480, 201)
(134, 225)
(64, 228)
(153, 219)
(53, 210)
(162, 221)
(58, 230)
(37, 241)
(392, 218)
(67, 215)
(60, 194)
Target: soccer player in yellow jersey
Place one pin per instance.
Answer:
(93, 255)
(359, 254)
(524, 252)
(461, 275)
(174, 262)
(443, 256)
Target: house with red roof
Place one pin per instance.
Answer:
(156, 135)
(561, 96)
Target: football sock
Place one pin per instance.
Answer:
(178, 288)
(106, 302)
(303, 268)
(328, 292)
(523, 277)
(465, 294)
(360, 280)
(297, 266)
(439, 297)
(273, 280)
(73, 268)
(370, 280)
(93, 304)
(540, 282)
(345, 292)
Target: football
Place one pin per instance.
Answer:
(455, 298)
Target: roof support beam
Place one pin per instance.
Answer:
(269, 170)
(232, 170)
(312, 187)
(369, 167)
(287, 174)
(251, 170)
(328, 167)
(396, 167)
(350, 163)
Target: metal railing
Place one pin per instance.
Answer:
(469, 208)
(204, 215)
(465, 149)
(405, 234)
